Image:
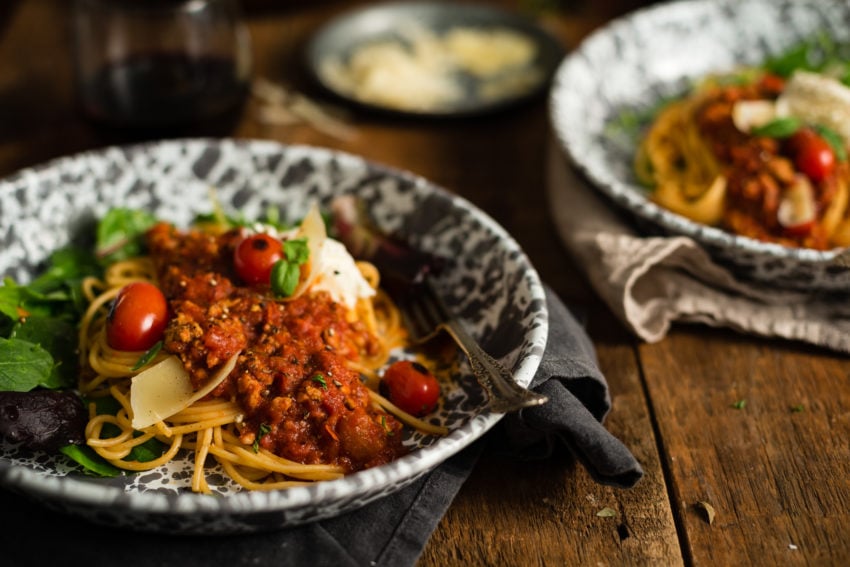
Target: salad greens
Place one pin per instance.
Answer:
(38, 322)
(820, 54)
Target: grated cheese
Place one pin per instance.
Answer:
(422, 71)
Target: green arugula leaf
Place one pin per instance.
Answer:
(148, 451)
(92, 463)
(25, 366)
(65, 266)
(59, 338)
(797, 57)
(119, 234)
(11, 297)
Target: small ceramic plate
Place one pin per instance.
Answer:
(493, 288)
(656, 53)
(433, 59)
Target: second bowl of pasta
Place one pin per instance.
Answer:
(727, 122)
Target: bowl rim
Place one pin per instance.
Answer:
(632, 196)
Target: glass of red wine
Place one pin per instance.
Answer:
(161, 65)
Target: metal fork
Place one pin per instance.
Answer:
(426, 315)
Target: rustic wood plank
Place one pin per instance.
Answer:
(512, 512)
(777, 470)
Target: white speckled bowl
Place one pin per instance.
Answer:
(492, 287)
(655, 53)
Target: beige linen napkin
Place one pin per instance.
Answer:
(652, 282)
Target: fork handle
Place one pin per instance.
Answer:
(505, 395)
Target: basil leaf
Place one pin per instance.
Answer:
(284, 277)
(296, 250)
(778, 128)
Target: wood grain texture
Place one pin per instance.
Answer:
(758, 430)
(776, 470)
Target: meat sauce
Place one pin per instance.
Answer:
(301, 400)
(758, 169)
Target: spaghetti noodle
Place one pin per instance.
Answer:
(286, 405)
(729, 155)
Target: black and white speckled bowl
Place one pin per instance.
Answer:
(655, 53)
(492, 287)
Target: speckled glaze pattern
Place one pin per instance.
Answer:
(655, 53)
(492, 286)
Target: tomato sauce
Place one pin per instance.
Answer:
(301, 400)
(760, 169)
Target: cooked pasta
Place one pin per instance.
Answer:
(265, 430)
(739, 156)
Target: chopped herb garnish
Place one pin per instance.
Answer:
(386, 427)
(148, 356)
(264, 430)
(321, 380)
(798, 408)
(740, 404)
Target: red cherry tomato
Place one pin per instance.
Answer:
(254, 257)
(137, 318)
(411, 387)
(812, 154)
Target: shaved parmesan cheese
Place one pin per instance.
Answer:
(421, 70)
(332, 268)
(749, 114)
(165, 389)
(313, 229)
(818, 99)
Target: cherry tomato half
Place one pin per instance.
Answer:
(411, 387)
(812, 154)
(254, 257)
(137, 318)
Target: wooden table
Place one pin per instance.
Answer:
(776, 472)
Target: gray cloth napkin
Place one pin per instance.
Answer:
(391, 532)
(650, 282)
